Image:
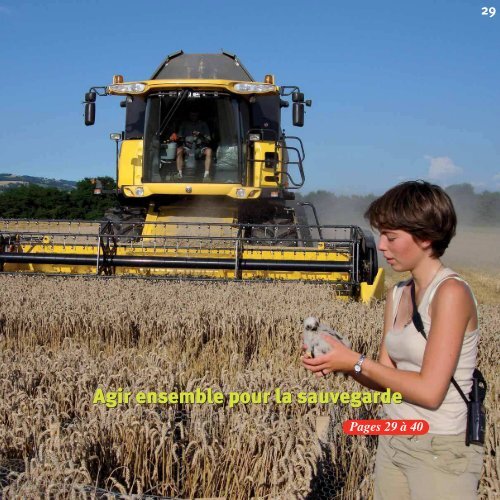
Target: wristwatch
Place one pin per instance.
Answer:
(357, 366)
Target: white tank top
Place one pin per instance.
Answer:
(406, 348)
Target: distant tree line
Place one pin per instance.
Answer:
(37, 202)
(478, 209)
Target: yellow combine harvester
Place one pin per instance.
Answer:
(205, 180)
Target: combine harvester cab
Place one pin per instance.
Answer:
(205, 190)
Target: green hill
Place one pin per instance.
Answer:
(8, 181)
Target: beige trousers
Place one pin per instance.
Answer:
(427, 467)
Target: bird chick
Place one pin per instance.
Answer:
(316, 345)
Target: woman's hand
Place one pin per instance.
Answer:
(339, 359)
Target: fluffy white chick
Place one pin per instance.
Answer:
(313, 340)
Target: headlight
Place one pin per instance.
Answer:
(254, 88)
(128, 88)
(139, 191)
(240, 193)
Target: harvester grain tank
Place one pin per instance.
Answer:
(205, 180)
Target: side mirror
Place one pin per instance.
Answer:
(89, 113)
(298, 114)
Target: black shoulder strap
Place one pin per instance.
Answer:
(419, 325)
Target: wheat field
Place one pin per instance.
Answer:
(61, 339)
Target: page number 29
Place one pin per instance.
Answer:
(488, 11)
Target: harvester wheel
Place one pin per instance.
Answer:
(276, 232)
(368, 257)
(126, 223)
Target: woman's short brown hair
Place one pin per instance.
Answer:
(422, 209)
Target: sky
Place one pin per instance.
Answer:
(400, 90)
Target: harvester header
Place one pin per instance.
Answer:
(205, 181)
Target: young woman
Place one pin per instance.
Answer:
(416, 221)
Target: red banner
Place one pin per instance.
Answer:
(385, 427)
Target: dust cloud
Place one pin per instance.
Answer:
(477, 247)
(477, 241)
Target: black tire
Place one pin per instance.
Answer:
(368, 257)
(126, 223)
(276, 232)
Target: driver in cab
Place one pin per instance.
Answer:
(196, 135)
